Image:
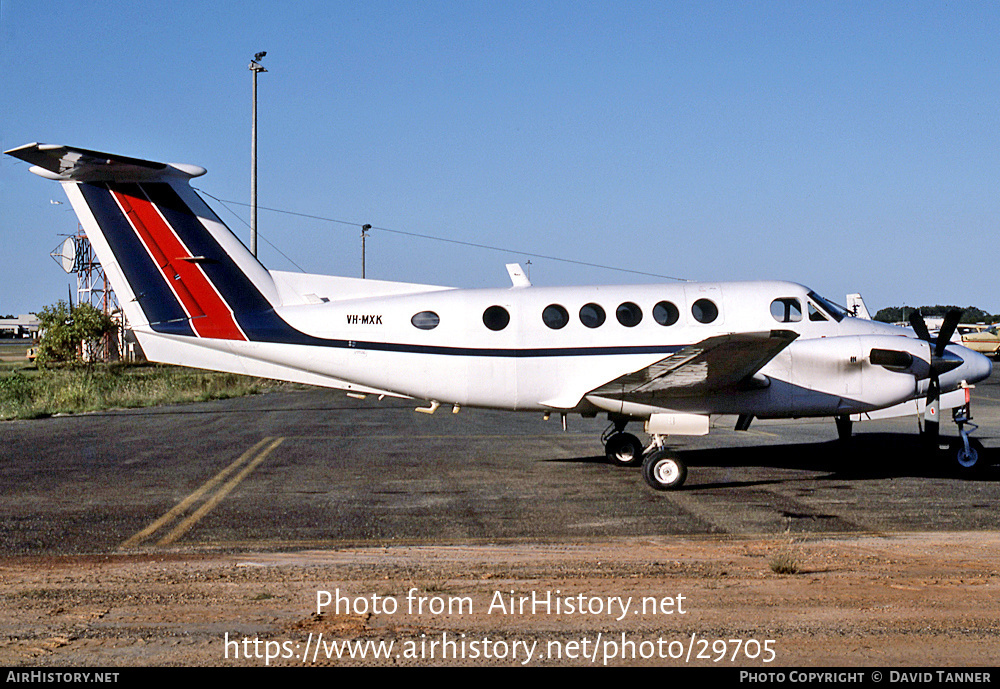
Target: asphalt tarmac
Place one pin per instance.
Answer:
(316, 469)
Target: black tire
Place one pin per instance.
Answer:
(664, 471)
(967, 463)
(624, 450)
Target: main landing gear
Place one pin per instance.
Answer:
(660, 468)
(622, 449)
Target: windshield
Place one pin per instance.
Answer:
(836, 311)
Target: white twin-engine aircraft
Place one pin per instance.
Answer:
(669, 355)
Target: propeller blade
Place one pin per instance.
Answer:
(932, 421)
(941, 362)
(919, 327)
(947, 330)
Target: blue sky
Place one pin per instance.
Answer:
(847, 146)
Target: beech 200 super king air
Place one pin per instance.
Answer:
(671, 356)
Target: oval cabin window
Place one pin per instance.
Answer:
(425, 320)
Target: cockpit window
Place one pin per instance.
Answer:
(786, 310)
(835, 311)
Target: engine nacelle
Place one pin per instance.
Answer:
(837, 375)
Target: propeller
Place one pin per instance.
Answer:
(947, 330)
(940, 362)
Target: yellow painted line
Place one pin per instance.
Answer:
(185, 525)
(183, 506)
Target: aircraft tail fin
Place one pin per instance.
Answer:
(173, 263)
(856, 306)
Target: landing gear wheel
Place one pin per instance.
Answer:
(624, 450)
(663, 471)
(968, 462)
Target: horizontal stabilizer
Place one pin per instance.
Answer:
(69, 164)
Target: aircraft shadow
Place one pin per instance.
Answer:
(867, 456)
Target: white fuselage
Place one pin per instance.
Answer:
(528, 365)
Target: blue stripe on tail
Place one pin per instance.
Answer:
(159, 304)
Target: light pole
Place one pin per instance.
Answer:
(364, 235)
(255, 67)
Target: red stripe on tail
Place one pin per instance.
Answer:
(210, 316)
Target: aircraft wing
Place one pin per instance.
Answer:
(707, 366)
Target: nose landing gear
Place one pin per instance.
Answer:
(967, 452)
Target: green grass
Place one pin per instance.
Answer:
(29, 393)
(785, 562)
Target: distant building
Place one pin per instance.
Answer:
(24, 327)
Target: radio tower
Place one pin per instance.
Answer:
(76, 255)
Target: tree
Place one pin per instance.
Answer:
(899, 314)
(70, 334)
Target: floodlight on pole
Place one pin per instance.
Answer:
(364, 236)
(255, 67)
